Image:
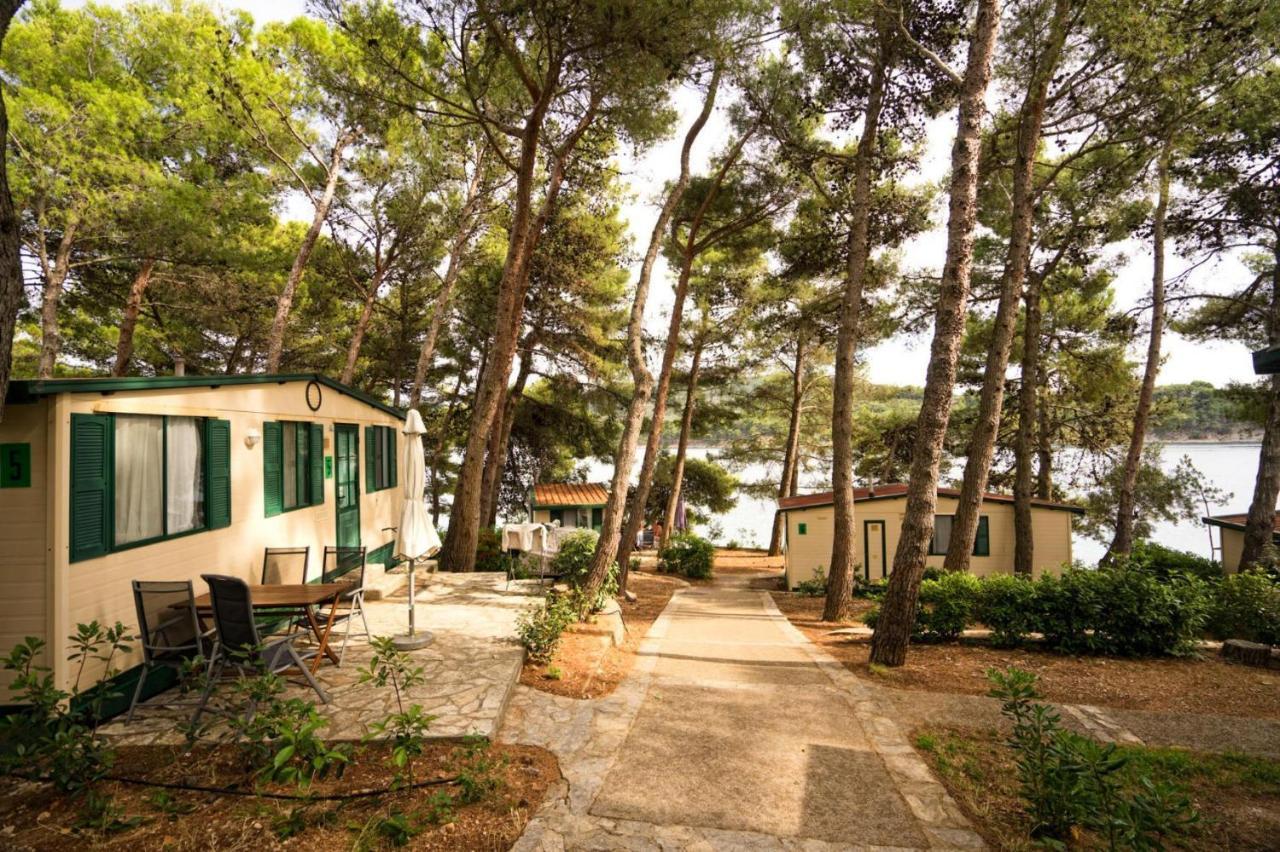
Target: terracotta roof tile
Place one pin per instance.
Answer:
(570, 494)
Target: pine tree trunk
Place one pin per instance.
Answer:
(1122, 542)
(1024, 440)
(284, 303)
(840, 578)
(441, 308)
(362, 325)
(11, 295)
(1044, 444)
(682, 446)
(129, 320)
(897, 612)
(982, 442)
(496, 462)
(55, 279)
(609, 543)
(791, 454)
(1259, 526)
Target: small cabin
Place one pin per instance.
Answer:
(110, 480)
(1231, 532)
(878, 512)
(572, 505)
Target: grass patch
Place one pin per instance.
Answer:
(1238, 796)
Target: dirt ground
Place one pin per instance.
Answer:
(438, 817)
(1207, 685)
(584, 666)
(1237, 798)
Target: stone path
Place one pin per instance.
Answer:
(470, 668)
(733, 732)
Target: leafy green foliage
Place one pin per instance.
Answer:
(1246, 606)
(1172, 496)
(573, 561)
(478, 772)
(708, 488)
(815, 586)
(539, 628)
(1006, 605)
(407, 727)
(688, 555)
(1069, 781)
(1167, 563)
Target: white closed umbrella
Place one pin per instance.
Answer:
(416, 536)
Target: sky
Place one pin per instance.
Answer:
(901, 361)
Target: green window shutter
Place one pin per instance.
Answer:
(982, 541)
(370, 460)
(394, 458)
(272, 468)
(217, 458)
(91, 485)
(317, 464)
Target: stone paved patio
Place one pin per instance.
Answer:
(471, 667)
(700, 748)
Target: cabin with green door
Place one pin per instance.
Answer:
(109, 480)
(572, 505)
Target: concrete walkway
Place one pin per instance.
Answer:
(733, 732)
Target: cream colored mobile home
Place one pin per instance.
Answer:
(106, 481)
(1231, 532)
(878, 520)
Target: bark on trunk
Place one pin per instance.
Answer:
(1024, 440)
(362, 325)
(1259, 527)
(129, 321)
(55, 278)
(465, 229)
(10, 238)
(284, 303)
(496, 462)
(840, 579)
(682, 446)
(897, 613)
(608, 545)
(1122, 542)
(790, 457)
(982, 442)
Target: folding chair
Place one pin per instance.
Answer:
(169, 627)
(239, 644)
(345, 565)
(282, 566)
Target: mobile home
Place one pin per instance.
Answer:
(570, 504)
(878, 521)
(1231, 530)
(109, 480)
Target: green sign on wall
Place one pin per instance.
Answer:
(328, 467)
(15, 465)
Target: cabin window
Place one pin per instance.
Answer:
(802, 528)
(942, 526)
(292, 466)
(379, 458)
(137, 479)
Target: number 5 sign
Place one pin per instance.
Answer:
(15, 465)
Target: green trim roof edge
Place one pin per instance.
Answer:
(28, 390)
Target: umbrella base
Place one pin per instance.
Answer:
(405, 642)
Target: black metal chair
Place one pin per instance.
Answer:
(345, 565)
(169, 629)
(282, 566)
(239, 644)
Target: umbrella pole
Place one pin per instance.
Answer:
(412, 640)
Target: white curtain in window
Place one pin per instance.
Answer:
(941, 533)
(139, 450)
(185, 474)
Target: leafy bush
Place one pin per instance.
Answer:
(407, 726)
(1070, 782)
(814, 587)
(688, 555)
(1066, 608)
(1005, 604)
(946, 606)
(489, 553)
(1167, 563)
(573, 561)
(870, 589)
(1140, 614)
(539, 628)
(1246, 606)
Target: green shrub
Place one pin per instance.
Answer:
(1143, 615)
(947, 606)
(688, 555)
(814, 587)
(1005, 604)
(1166, 563)
(1066, 609)
(489, 554)
(539, 628)
(1246, 606)
(573, 561)
(870, 589)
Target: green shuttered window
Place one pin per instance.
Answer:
(138, 479)
(379, 458)
(942, 525)
(292, 466)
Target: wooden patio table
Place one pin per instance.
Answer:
(300, 597)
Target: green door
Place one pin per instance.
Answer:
(346, 463)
